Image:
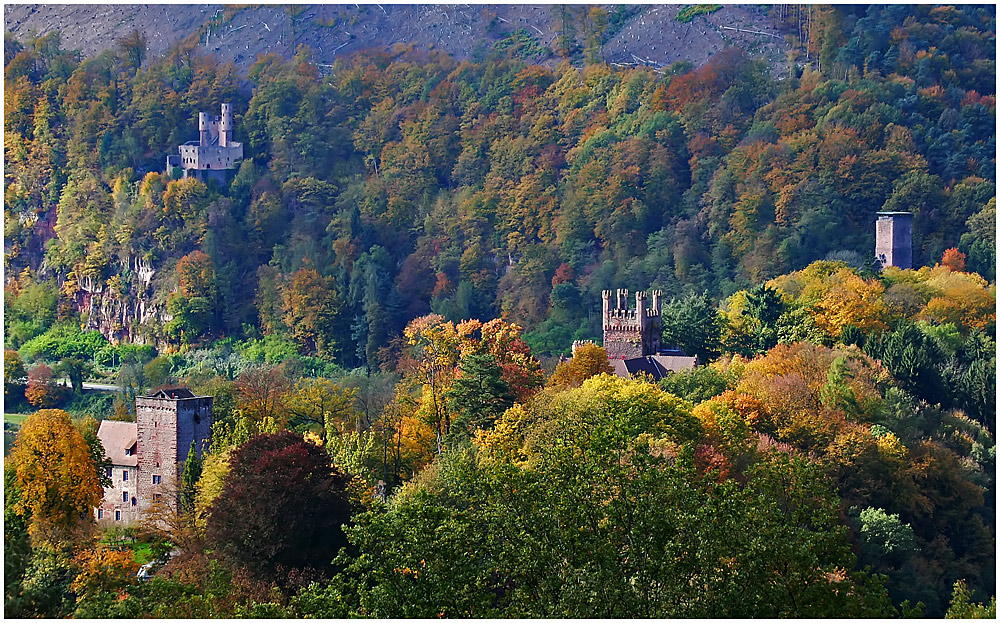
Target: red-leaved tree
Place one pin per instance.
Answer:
(281, 510)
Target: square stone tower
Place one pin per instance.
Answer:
(631, 333)
(167, 422)
(894, 239)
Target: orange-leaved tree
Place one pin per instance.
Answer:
(588, 360)
(59, 480)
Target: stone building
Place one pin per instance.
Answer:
(632, 337)
(120, 501)
(149, 470)
(215, 153)
(894, 239)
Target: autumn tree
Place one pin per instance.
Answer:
(261, 394)
(193, 305)
(312, 308)
(42, 391)
(953, 259)
(56, 474)
(588, 360)
(323, 404)
(433, 352)
(281, 509)
(102, 570)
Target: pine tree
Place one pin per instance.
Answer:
(480, 394)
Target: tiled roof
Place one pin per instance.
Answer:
(116, 437)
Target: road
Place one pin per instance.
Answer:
(95, 386)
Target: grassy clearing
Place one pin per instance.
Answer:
(142, 553)
(15, 418)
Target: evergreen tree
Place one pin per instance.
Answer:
(192, 472)
(479, 395)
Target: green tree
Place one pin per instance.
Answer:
(694, 325)
(478, 395)
(885, 534)
(962, 606)
(554, 515)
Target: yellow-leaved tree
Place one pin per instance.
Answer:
(57, 475)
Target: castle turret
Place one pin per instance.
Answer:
(657, 304)
(631, 333)
(640, 310)
(226, 125)
(204, 129)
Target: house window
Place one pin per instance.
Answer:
(100, 513)
(128, 451)
(125, 475)
(118, 515)
(157, 480)
(157, 497)
(124, 496)
(134, 502)
(107, 472)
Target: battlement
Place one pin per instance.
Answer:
(631, 332)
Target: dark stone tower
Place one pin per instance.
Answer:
(167, 422)
(631, 333)
(894, 239)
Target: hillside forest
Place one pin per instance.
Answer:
(383, 296)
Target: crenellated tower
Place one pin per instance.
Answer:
(631, 333)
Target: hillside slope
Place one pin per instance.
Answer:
(239, 33)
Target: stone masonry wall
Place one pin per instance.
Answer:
(156, 449)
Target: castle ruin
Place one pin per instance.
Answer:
(215, 153)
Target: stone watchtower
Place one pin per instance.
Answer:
(894, 239)
(167, 422)
(631, 333)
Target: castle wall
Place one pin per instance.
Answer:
(211, 156)
(622, 343)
